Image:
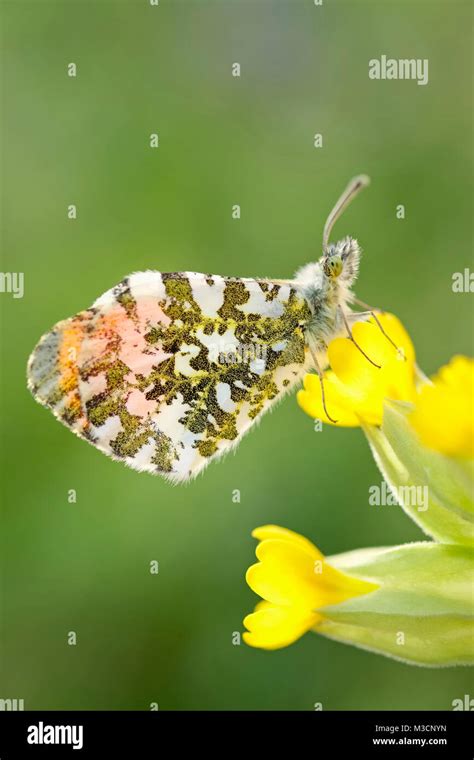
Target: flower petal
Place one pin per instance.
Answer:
(273, 627)
(355, 389)
(444, 413)
(276, 531)
(289, 575)
(338, 403)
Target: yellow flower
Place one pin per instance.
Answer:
(365, 597)
(421, 433)
(444, 415)
(295, 582)
(355, 390)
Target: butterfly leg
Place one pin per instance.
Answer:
(372, 312)
(319, 373)
(351, 337)
(358, 316)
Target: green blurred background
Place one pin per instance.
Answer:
(84, 567)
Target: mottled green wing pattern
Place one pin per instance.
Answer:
(167, 371)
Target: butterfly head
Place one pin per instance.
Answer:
(333, 266)
(341, 260)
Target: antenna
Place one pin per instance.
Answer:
(353, 188)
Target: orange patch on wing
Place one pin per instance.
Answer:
(68, 355)
(70, 346)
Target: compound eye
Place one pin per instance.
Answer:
(333, 266)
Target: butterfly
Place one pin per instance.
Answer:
(167, 371)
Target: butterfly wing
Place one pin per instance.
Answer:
(167, 371)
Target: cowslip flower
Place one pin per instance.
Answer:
(443, 415)
(421, 432)
(355, 389)
(412, 602)
(295, 581)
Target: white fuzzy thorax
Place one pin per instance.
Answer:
(328, 296)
